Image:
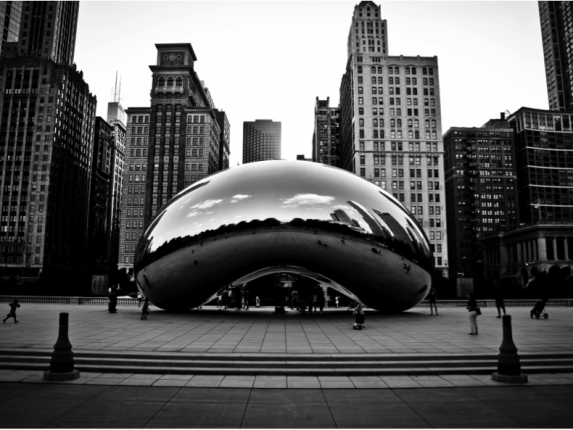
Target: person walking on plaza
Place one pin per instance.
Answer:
(139, 299)
(359, 323)
(472, 308)
(145, 309)
(499, 303)
(246, 298)
(219, 301)
(238, 299)
(432, 298)
(258, 301)
(112, 307)
(336, 300)
(321, 301)
(13, 306)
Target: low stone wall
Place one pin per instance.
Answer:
(56, 300)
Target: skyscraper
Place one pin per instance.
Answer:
(481, 192)
(544, 160)
(261, 140)
(170, 145)
(48, 30)
(326, 136)
(390, 124)
(10, 16)
(46, 148)
(556, 23)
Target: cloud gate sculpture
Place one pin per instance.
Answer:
(284, 216)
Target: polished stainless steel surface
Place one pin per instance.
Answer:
(284, 216)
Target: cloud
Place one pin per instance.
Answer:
(306, 200)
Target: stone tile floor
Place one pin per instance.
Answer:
(248, 404)
(261, 331)
(100, 400)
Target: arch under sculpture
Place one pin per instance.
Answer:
(284, 216)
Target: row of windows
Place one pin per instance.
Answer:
(395, 70)
(139, 119)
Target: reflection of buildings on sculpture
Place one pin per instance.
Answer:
(538, 246)
(174, 143)
(389, 122)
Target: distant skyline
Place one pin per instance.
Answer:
(270, 60)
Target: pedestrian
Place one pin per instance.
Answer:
(219, 301)
(474, 311)
(112, 296)
(432, 298)
(238, 299)
(246, 298)
(145, 309)
(314, 303)
(257, 301)
(336, 300)
(12, 314)
(139, 299)
(499, 303)
(294, 299)
(360, 317)
(321, 302)
(225, 299)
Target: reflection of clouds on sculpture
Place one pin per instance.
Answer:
(206, 204)
(238, 197)
(306, 200)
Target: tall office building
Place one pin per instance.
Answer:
(48, 30)
(170, 145)
(544, 159)
(224, 139)
(99, 227)
(133, 191)
(557, 35)
(46, 150)
(326, 136)
(10, 16)
(261, 140)
(481, 192)
(116, 118)
(391, 124)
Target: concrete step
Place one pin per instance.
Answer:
(325, 371)
(284, 364)
(261, 357)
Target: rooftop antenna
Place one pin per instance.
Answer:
(115, 88)
(119, 93)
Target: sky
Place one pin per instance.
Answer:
(271, 59)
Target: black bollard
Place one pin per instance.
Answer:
(508, 365)
(62, 363)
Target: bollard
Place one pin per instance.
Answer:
(62, 363)
(508, 365)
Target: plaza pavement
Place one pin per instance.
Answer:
(168, 401)
(91, 327)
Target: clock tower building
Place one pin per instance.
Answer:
(176, 144)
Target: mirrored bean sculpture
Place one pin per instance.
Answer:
(284, 216)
